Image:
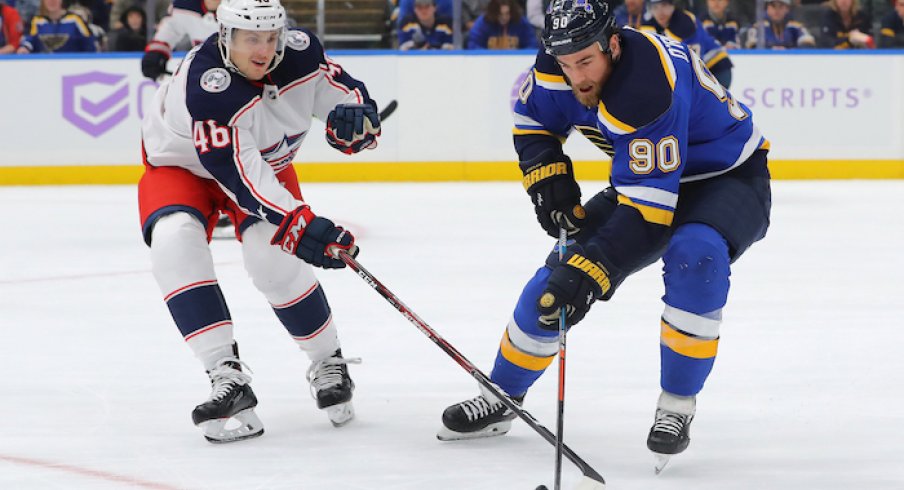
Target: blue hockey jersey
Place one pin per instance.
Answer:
(663, 118)
(70, 34)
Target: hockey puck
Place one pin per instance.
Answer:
(542, 487)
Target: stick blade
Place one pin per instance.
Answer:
(588, 483)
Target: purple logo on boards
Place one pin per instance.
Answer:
(103, 110)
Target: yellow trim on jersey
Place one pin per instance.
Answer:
(551, 82)
(522, 359)
(433, 171)
(650, 214)
(546, 77)
(612, 123)
(687, 345)
(887, 32)
(78, 21)
(667, 67)
(721, 55)
(531, 131)
(766, 145)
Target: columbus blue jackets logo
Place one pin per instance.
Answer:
(215, 80)
(298, 40)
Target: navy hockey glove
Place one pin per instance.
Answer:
(351, 128)
(574, 285)
(153, 64)
(313, 239)
(549, 180)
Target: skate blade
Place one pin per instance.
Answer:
(661, 461)
(250, 426)
(340, 414)
(492, 430)
(585, 484)
(590, 484)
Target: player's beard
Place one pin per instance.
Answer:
(590, 98)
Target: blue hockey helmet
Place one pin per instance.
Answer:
(572, 25)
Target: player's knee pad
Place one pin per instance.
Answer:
(696, 269)
(179, 252)
(278, 275)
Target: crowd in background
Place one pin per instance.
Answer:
(54, 26)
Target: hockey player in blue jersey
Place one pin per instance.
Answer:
(221, 135)
(689, 185)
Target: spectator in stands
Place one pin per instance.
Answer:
(99, 33)
(133, 34)
(536, 13)
(161, 7)
(471, 10)
(892, 34)
(682, 25)
(11, 28)
(630, 14)
(424, 29)
(27, 9)
(721, 24)
(57, 30)
(845, 26)
(781, 32)
(98, 11)
(503, 26)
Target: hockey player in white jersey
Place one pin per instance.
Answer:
(221, 136)
(194, 20)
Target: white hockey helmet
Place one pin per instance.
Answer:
(252, 15)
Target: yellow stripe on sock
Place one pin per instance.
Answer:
(522, 359)
(686, 345)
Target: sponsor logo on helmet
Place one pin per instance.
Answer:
(215, 80)
(298, 40)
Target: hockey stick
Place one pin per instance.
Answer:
(388, 110)
(591, 481)
(560, 413)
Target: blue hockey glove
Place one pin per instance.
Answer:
(351, 128)
(574, 284)
(313, 239)
(549, 180)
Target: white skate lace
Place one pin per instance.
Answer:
(225, 376)
(669, 422)
(478, 407)
(327, 372)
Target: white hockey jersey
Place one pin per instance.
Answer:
(188, 19)
(219, 125)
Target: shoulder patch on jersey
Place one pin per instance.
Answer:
(298, 40)
(216, 80)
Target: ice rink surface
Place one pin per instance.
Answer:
(97, 386)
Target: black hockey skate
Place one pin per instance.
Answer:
(332, 387)
(481, 416)
(670, 433)
(231, 400)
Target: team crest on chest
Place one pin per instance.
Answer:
(215, 80)
(298, 40)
